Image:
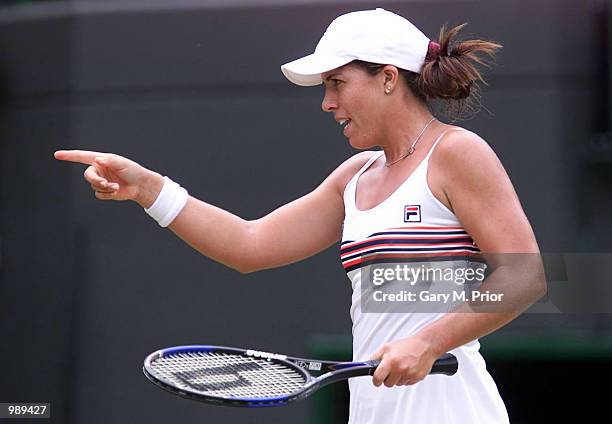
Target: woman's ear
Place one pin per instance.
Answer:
(390, 77)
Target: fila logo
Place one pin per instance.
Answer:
(412, 213)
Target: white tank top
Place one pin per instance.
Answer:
(424, 226)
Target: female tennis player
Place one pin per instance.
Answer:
(428, 185)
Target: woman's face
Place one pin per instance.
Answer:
(356, 99)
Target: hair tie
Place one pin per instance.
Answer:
(433, 51)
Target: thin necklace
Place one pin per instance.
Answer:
(411, 150)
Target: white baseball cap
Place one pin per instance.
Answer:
(376, 36)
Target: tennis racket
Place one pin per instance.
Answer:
(237, 377)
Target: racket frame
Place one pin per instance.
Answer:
(332, 371)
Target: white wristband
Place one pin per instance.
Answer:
(170, 202)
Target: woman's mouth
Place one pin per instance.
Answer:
(345, 123)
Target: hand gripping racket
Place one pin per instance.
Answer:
(237, 377)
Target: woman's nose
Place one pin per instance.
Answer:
(329, 103)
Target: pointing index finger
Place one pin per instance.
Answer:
(80, 156)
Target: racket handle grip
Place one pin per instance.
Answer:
(447, 364)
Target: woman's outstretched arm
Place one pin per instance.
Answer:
(288, 234)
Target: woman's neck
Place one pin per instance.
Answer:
(405, 127)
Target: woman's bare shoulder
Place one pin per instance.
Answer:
(460, 143)
(463, 157)
(347, 169)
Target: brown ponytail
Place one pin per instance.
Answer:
(449, 71)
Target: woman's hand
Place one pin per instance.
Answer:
(113, 177)
(403, 362)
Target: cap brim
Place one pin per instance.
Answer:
(307, 70)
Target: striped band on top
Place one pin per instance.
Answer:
(405, 243)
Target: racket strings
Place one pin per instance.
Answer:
(228, 375)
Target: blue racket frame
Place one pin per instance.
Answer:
(330, 372)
